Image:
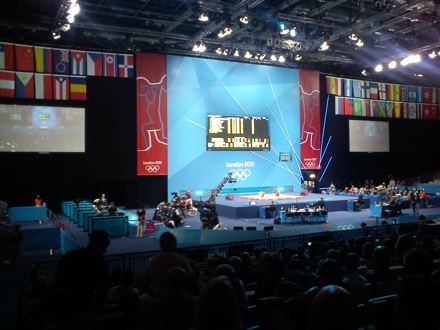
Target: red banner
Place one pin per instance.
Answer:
(152, 138)
(310, 119)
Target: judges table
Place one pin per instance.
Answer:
(302, 215)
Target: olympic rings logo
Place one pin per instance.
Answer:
(152, 168)
(241, 174)
(310, 164)
(345, 227)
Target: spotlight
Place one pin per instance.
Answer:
(392, 65)
(203, 17)
(434, 19)
(324, 46)
(65, 27)
(378, 68)
(378, 4)
(298, 57)
(56, 35)
(353, 37)
(432, 55)
(273, 57)
(359, 43)
(281, 59)
(248, 54)
(236, 53)
(244, 19)
(293, 32)
(219, 51)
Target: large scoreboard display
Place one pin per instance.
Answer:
(240, 133)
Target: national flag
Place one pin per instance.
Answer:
(435, 97)
(348, 87)
(389, 109)
(412, 94)
(381, 109)
(334, 85)
(404, 93)
(6, 56)
(366, 90)
(374, 90)
(7, 84)
(24, 85)
(426, 111)
(43, 59)
(366, 110)
(374, 107)
(357, 107)
(43, 86)
(348, 106)
(24, 58)
(427, 94)
(125, 65)
(339, 105)
(110, 65)
(397, 92)
(61, 61)
(60, 87)
(78, 62)
(94, 64)
(357, 88)
(382, 91)
(393, 92)
(398, 106)
(420, 94)
(78, 88)
(434, 112)
(410, 111)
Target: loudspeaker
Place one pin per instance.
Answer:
(267, 228)
(238, 228)
(251, 228)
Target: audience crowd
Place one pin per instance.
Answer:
(369, 282)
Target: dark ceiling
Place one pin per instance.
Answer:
(397, 28)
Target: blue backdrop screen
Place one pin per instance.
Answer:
(200, 87)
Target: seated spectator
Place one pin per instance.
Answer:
(352, 278)
(116, 292)
(329, 302)
(381, 271)
(112, 210)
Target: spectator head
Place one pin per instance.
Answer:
(417, 262)
(168, 242)
(330, 301)
(99, 241)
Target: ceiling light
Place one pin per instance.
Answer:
(364, 72)
(324, 46)
(226, 52)
(244, 19)
(359, 43)
(432, 55)
(236, 53)
(378, 68)
(65, 27)
(273, 57)
(56, 35)
(283, 29)
(392, 65)
(219, 51)
(298, 57)
(262, 57)
(281, 59)
(203, 17)
(293, 32)
(199, 47)
(378, 4)
(353, 37)
(248, 55)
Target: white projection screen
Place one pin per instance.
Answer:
(369, 136)
(42, 129)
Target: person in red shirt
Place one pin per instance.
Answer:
(38, 201)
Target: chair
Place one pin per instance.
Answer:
(297, 217)
(315, 217)
(306, 216)
(324, 215)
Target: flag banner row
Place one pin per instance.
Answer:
(15, 57)
(31, 85)
(381, 91)
(349, 106)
